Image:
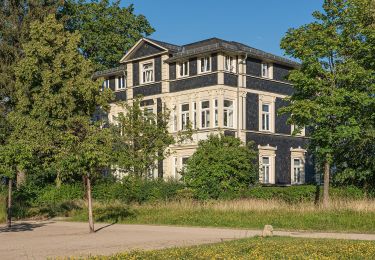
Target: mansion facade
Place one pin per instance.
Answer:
(217, 86)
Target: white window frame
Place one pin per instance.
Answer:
(106, 83)
(297, 154)
(301, 133)
(121, 82)
(265, 70)
(270, 101)
(207, 66)
(266, 169)
(194, 121)
(142, 70)
(230, 63)
(216, 114)
(266, 118)
(270, 152)
(185, 116)
(228, 113)
(184, 68)
(205, 115)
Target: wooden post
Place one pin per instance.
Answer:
(9, 208)
(326, 185)
(89, 200)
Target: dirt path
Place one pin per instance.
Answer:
(39, 240)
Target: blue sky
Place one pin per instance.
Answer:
(258, 23)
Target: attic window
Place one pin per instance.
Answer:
(204, 64)
(265, 70)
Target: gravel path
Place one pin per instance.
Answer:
(39, 240)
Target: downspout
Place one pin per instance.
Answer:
(238, 94)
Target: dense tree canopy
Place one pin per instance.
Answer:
(108, 30)
(334, 87)
(221, 164)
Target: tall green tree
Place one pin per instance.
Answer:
(334, 87)
(55, 96)
(108, 30)
(221, 165)
(142, 139)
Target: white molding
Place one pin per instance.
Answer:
(136, 47)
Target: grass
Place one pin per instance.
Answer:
(262, 248)
(2, 209)
(342, 216)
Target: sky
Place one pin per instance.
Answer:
(258, 23)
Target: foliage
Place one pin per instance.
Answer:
(334, 87)
(261, 248)
(108, 30)
(55, 94)
(220, 165)
(142, 139)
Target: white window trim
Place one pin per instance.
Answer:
(301, 133)
(297, 153)
(178, 69)
(118, 83)
(268, 70)
(141, 80)
(185, 114)
(233, 67)
(267, 100)
(226, 110)
(106, 83)
(267, 151)
(216, 112)
(201, 110)
(199, 64)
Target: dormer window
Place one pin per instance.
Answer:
(147, 72)
(121, 82)
(265, 70)
(204, 64)
(230, 63)
(183, 69)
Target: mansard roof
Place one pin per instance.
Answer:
(216, 44)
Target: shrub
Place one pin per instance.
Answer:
(220, 165)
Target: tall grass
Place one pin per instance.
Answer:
(2, 209)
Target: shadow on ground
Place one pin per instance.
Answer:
(20, 227)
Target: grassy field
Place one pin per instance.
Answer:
(349, 216)
(262, 248)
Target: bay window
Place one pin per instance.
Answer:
(228, 113)
(184, 116)
(205, 114)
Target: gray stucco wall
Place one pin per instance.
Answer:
(253, 67)
(280, 72)
(268, 86)
(252, 112)
(193, 83)
(281, 125)
(147, 90)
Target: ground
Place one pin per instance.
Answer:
(39, 240)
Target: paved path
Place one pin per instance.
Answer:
(39, 240)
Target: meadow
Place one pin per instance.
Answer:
(261, 248)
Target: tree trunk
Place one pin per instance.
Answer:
(89, 203)
(326, 185)
(9, 208)
(21, 177)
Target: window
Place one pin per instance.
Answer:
(174, 120)
(183, 69)
(205, 114)
(184, 161)
(266, 165)
(228, 113)
(265, 70)
(230, 63)
(300, 133)
(147, 72)
(184, 116)
(298, 171)
(175, 167)
(194, 115)
(216, 114)
(121, 82)
(106, 83)
(265, 117)
(205, 64)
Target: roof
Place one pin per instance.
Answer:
(109, 72)
(216, 44)
(169, 46)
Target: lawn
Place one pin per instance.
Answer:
(262, 248)
(354, 216)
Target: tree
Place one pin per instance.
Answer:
(15, 156)
(87, 153)
(56, 97)
(220, 164)
(108, 30)
(334, 86)
(142, 139)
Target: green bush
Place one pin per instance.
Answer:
(221, 165)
